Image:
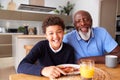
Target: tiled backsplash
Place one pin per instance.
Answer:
(17, 23)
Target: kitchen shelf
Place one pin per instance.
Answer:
(30, 16)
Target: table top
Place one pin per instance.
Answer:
(113, 73)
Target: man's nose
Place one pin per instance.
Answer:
(82, 22)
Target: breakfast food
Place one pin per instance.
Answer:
(68, 69)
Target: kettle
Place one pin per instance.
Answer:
(2, 30)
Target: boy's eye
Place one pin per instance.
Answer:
(59, 31)
(50, 33)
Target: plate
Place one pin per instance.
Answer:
(75, 66)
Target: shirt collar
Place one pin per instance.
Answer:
(55, 51)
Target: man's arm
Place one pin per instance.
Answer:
(101, 59)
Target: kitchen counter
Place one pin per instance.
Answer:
(30, 36)
(11, 33)
(19, 41)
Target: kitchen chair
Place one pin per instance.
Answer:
(28, 48)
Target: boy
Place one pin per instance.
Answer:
(50, 52)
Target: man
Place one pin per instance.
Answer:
(88, 42)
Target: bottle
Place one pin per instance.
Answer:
(11, 5)
(35, 30)
(31, 31)
(26, 30)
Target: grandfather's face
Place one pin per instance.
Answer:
(82, 21)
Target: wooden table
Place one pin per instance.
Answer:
(113, 72)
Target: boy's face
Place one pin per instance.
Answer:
(54, 34)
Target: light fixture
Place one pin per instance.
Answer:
(36, 8)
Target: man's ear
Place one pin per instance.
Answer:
(74, 23)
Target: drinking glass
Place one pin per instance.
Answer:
(87, 69)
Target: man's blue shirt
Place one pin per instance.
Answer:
(100, 43)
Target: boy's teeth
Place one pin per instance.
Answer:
(56, 40)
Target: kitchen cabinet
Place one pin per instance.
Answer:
(118, 7)
(30, 16)
(5, 45)
(108, 16)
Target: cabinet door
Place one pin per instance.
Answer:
(6, 51)
(5, 45)
(5, 39)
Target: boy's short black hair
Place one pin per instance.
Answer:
(52, 20)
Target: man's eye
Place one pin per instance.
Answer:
(77, 21)
(86, 19)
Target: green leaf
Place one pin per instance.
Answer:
(65, 9)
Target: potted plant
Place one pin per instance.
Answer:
(65, 9)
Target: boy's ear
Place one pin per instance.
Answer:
(46, 36)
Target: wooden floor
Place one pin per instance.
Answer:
(6, 67)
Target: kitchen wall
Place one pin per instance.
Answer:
(16, 23)
(92, 6)
(17, 2)
(102, 12)
(48, 3)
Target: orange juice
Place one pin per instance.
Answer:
(87, 68)
(86, 71)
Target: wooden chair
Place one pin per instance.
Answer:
(28, 48)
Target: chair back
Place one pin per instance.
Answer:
(28, 48)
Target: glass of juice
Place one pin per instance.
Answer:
(87, 69)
